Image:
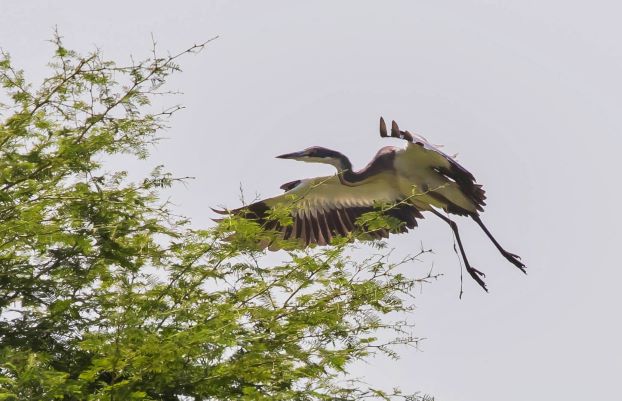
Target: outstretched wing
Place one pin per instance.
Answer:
(421, 154)
(323, 208)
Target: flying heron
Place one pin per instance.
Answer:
(417, 178)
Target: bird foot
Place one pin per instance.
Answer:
(477, 276)
(515, 260)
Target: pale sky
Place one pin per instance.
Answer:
(528, 93)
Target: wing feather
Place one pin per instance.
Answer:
(322, 208)
(324, 228)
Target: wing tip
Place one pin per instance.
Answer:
(395, 129)
(383, 128)
(220, 211)
(288, 186)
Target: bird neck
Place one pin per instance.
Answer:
(346, 175)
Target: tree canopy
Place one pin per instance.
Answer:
(107, 294)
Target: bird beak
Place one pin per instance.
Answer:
(294, 155)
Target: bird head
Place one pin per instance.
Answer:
(317, 154)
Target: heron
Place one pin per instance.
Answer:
(414, 179)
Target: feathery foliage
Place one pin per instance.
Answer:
(106, 294)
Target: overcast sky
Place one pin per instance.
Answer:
(529, 93)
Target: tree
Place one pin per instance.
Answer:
(106, 294)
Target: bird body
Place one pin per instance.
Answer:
(417, 172)
(413, 179)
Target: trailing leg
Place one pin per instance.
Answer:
(476, 274)
(514, 259)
